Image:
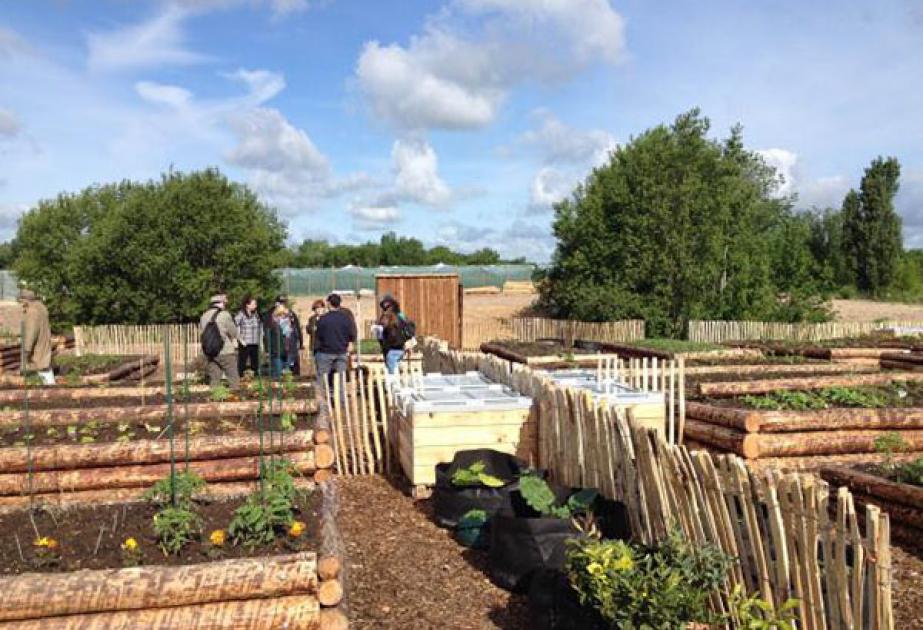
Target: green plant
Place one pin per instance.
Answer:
(887, 444)
(258, 519)
(853, 397)
(474, 475)
(287, 421)
(753, 613)
(538, 494)
(662, 587)
(910, 472)
(188, 484)
(176, 527)
(220, 393)
(132, 556)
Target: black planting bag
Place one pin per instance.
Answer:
(554, 605)
(452, 502)
(522, 542)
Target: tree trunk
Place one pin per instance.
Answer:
(903, 357)
(232, 469)
(293, 612)
(739, 388)
(71, 456)
(740, 419)
(730, 440)
(859, 353)
(825, 443)
(63, 417)
(829, 368)
(216, 491)
(900, 365)
(824, 420)
(877, 487)
(503, 353)
(125, 369)
(38, 595)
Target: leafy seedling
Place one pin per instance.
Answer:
(474, 475)
(538, 494)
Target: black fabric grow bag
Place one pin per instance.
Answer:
(522, 542)
(450, 502)
(554, 605)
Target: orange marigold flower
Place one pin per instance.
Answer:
(218, 538)
(297, 529)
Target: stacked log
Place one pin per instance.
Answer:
(144, 413)
(273, 592)
(87, 393)
(135, 368)
(902, 361)
(765, 386)
(755, 434)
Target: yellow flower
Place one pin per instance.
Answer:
(130, 544)
(296, 530)
(47, 542)
(624, 563)
(594, 568)
(217, 538)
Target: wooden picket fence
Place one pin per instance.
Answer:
(722, 331)
(792, 536)
(119, 339)
(358, 407)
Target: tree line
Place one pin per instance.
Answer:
(679, 226)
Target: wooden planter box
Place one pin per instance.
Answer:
(425, 439)
(294, 591)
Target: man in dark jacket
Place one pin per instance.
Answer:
(336, 332)
(280, 344)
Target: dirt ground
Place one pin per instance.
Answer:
(406, 572)
(868, 310)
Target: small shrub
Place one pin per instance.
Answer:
(256, 521)
(753, 613)
(220, 393)
(176, 527)
(667, 586)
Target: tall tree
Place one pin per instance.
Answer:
(872, 228)
(676, 226)
(148, 252)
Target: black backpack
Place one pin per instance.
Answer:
(212, 342)
(407, 327)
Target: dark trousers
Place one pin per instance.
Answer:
(248, 356)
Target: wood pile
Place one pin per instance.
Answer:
(11, 353)
(903, 502)
(754, 434)
(729, 389)
(902, 361)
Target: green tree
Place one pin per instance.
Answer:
(872, 228)
(677, 226)
(148, 252)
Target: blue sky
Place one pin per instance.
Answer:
(458, 122)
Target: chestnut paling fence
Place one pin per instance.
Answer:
(534, 328)
(793, 535)
(722, 331)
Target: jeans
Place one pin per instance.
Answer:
(326, 365)
(223, 363)
(275, 366)
(392, 358)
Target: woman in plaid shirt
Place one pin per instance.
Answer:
(250, 326)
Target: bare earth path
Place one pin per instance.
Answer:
(405, 572)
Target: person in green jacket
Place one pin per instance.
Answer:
(226, 361)
(36, 337)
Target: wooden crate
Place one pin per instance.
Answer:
(648, 416)
(426, 439)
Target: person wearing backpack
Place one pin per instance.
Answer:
(219, 342)
(397, 333)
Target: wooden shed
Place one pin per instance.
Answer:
(432, 301)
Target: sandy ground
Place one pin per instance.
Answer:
(868, 310)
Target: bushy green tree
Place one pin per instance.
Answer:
(872, 228)
(678, 226)
(148, 252)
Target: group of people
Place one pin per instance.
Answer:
(331, 330)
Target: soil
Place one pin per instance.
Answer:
(406, 572)
(129, 430)
(907, 587)
(77, 531)
(551, 347)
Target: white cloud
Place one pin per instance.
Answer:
(822, 192)
(161, 94)
(159, 41)
(455, 76)
(784, 161)
(909, 204)
(567, 155)
(520, 238)
(417, 170)
(268, 142)
(262, 85)
(9, 124)
(559, 143)
(371, 218)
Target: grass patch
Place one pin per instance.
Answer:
(89, 363)
(895, 395)
(369, 346)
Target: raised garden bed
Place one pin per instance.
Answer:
(75, 569)
(765, 383)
